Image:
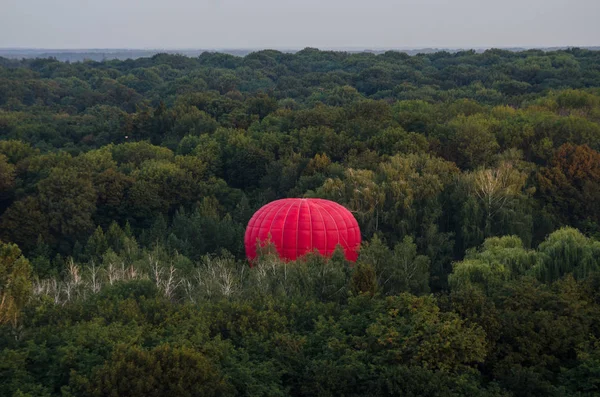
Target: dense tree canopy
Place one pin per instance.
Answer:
(126, 187)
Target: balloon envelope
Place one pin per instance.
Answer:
(299, 226)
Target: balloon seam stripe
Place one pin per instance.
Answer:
(283, 229)
(298, 225)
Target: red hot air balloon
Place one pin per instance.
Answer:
(298, 226)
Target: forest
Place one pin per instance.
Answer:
(126, 187)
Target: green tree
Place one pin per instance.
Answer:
(15, 283)
(164, 370)
(567, 251)
(96, 245)
(422, 346)
(24, 222)
(7, 176)
(397, 270)
(364, 279)
(473, 140)
(68, 199)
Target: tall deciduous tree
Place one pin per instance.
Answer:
(498, 190)
(570, 185)
(15, 283)
(24, 222)
(68, 199)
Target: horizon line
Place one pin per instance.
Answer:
(291, 48)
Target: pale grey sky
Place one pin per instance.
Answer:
(182, 24)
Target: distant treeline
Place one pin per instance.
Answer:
(107, 54)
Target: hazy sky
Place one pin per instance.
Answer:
(298, 23)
